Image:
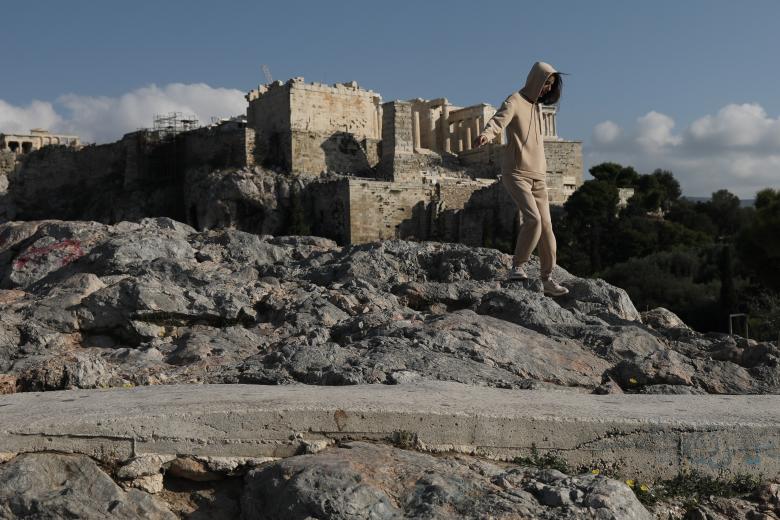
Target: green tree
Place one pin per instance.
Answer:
(637, 236)
(694, 216)
(758, 244)
(728, 292)
(657, 191)
(591, 212)
(725, 212)
(764, 310)
(667, 279)
(614, 173)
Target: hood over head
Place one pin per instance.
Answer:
(535, 81)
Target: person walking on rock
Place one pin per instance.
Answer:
(524, 169)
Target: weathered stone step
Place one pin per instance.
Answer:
(649, 436)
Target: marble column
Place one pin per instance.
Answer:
(416, 130)
(445, 128)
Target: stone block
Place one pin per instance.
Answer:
(7, 384)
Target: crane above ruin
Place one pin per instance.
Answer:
(267, 73)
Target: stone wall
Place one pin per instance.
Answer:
(381, 210)
(401, 161)
(268, 114)
(343, 107)
(7, 165)
(310, 128)
(338, 152)
(218, 146)
(564, 168)
(483, 162)
(466, 209)
(420, 210)
(456, 193)
(397, 142)
(62, 183)
(141, 175)
(143, 160)
(7, 162)
(328, 209)
(564, 165)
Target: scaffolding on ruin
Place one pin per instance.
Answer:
(174, 123)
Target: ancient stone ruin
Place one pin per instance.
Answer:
(356, 169)
(35, 140)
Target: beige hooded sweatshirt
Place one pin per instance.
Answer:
(524, 154)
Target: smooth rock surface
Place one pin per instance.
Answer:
(650, 436)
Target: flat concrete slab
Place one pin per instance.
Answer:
(647, 436)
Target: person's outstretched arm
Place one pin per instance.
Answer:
(497, 123)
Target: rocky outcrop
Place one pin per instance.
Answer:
(350, 480)
(7, 165)
(92, 183)
(359, 480)
(52, 486)
(253, 200)
(90, 305)
(141, 177)
(353, 480)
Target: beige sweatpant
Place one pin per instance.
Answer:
(530, 196)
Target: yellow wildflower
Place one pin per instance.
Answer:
(633, 381)
(631, 482)
(595, 471)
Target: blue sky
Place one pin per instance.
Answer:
(688, 86)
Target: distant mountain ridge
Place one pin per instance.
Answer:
(742, 202)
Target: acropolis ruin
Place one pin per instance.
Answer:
(35, 140)
(405, 162)
(370, 170)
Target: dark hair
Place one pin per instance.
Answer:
(554, 95)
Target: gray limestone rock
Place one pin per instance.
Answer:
(359, 480)
(660, 319)
(155, 301)
(49, 486)
(251, 200)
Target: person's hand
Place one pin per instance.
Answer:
(480, 140)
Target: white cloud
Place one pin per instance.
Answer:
(654, 131)
(606, 133)
(105, 119)
(738, 149)
(737, 126)
(38, 114)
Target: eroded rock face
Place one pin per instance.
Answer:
(253, 200)
(360, 480)
(90, 305)
(351, 480)
(50, 486)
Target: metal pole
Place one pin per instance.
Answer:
(731, 321)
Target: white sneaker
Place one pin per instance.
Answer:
(517, 273)
(552, 288)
